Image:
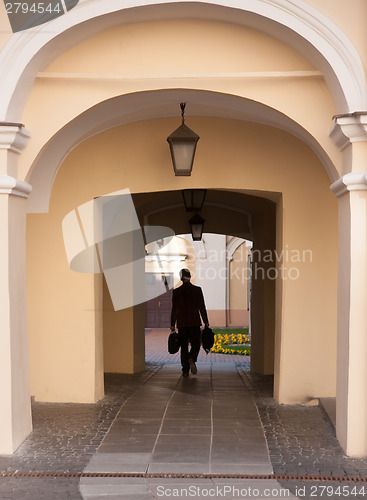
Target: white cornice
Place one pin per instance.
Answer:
(354, 181)
(11, 185)
(348, 129)
(13, 137)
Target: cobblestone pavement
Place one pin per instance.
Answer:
(300, 438)
(302, 441)
(64, 438)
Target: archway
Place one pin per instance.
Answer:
(225, 213)
(299, 25)
(147, 105)
(319, 39)
(263, 173)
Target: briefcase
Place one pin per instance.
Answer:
(207, 339)
(173, 343)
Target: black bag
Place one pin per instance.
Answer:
(173, 343)
(207, 339)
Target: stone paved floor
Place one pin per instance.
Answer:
(206, 423)
(302, 441)
(156, 351)
(66, 436)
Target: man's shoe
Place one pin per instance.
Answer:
(193, 368)
(185, 374)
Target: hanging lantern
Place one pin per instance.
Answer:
(182, 143)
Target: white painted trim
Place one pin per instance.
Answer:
(354, 181)
(255, 75)
(13, 186)
(349, 129)
(232, 246)
(14, 138)
(293, 21)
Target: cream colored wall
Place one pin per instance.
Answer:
(15, 415)
(211, 276)
(131, 46)
(155, 55)
(278, 344)
(263, 292)
(351, 411)
(238, 287)
(348, 17)
(123, 337)
(351, 18)
(64, 321)
(300, 331)
(256, 158)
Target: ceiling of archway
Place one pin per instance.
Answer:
(224, 212)
(297, 23)
(144, 106)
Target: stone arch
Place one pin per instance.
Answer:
(145, 105)
(309, 31)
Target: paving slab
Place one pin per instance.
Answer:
(226, 488)
(123, 496)
(118, 462)
(180, 467)
(184, 431)
(240, 468)
(300, 439)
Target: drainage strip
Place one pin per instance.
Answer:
(162, 475)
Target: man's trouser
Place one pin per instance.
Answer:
(189, 334)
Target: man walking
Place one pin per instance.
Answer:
(187, 307)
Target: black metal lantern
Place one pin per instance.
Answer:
(197, 227)
(182, 143)
(193, 199)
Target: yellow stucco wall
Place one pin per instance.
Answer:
(238, 287)
(231, 155)
(211, 56)
(351, 20)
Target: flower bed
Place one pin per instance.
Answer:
(231, 343)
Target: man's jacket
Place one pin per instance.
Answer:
(187, 306)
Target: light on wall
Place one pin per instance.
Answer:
(197, 227)
(182, 143)
(193, 199)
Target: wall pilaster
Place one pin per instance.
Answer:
(350, 134)
(15, 415)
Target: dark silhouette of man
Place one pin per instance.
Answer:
(187, 307)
